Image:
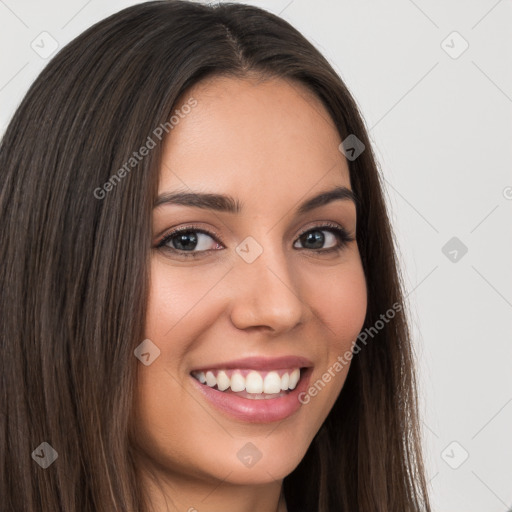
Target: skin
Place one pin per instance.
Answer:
(271, 145)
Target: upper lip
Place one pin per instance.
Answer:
(260, 363)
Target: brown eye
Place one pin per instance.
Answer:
(189, 242)
(316, 238)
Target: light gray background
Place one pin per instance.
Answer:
(441, 127)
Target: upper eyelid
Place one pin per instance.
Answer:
(324, 226)
(185, 229)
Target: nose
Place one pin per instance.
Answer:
(267, 293)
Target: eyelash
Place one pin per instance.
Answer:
(341, 234)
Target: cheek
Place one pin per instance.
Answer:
(179, 297)
(164, 421)
(173, 291)
(340, 301)
(338, 298)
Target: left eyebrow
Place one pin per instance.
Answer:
(336, 194)
(228, 204)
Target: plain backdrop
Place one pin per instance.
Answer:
(433, 81)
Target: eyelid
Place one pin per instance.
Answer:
(192, 227)
(323, 225)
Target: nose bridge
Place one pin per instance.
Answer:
(267, 292)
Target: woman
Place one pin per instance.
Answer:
(200, 306)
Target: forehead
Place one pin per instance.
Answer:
(248, 137)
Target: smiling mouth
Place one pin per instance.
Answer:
(249, 383)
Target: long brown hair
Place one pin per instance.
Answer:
(74, 272)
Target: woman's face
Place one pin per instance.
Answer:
(246, 285)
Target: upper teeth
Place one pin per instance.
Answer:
(252, 382)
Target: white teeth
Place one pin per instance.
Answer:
(285, 379)
(294, 378)
(237, 382)
(272, 383)
(210, 379)
(223, 381)
(254, 382)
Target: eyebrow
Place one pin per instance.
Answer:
(228, 204)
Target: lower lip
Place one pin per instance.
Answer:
(257, 411)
